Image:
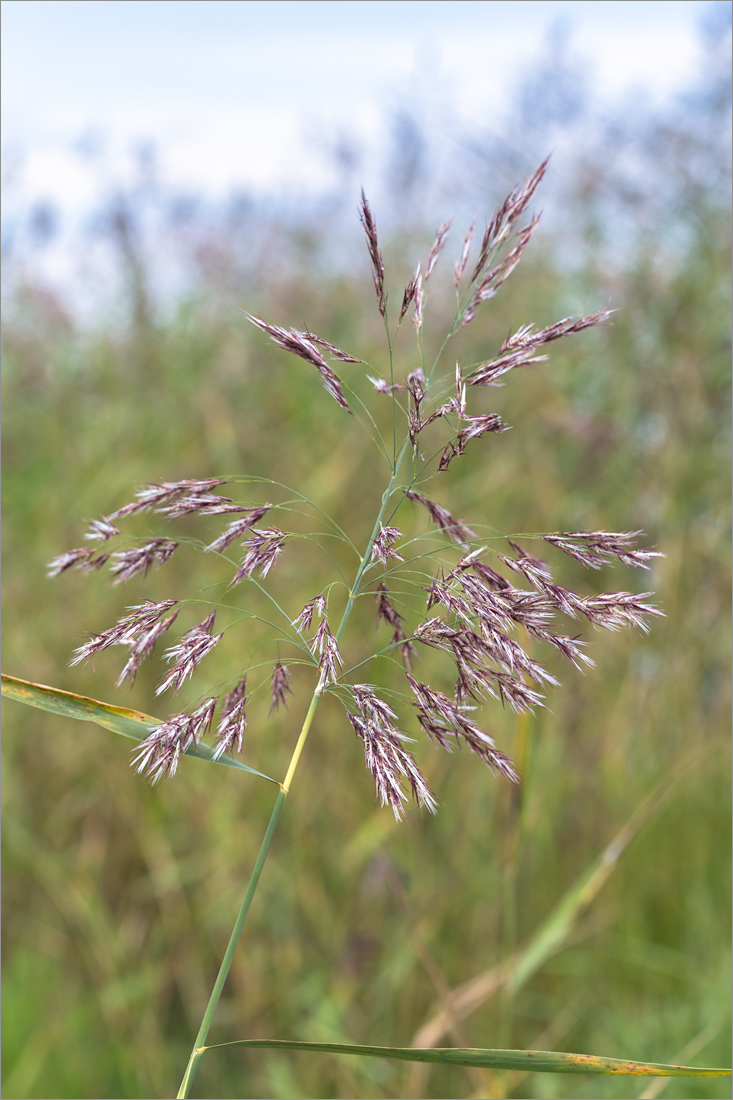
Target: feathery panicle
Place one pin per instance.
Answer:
(142, 647)
(385, 610)
(477, 426)
(485, 574)
(535, 570)
(203, 505)
(614, 610)
(485, 625)
(237, 695)
(445, 723)
(418, 298)
(504, 219)
(297, 343)
(381, 385)
(494, 277)
(230, 731)
(129, 630)
(501, 229)
(232, 724)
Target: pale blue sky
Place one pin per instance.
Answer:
(241, 93)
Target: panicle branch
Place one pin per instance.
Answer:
(139, 560)
(410, 292)
(388, 762)
(188, 654)
(517, 349)
(441, 517)
(437, 247)
(315, 606)
(305, 346)
(279, 687)
(160, 752)
(330, 659)
(263, 548)
(383, 547)
(159, 496)
(139, 630)
(238, 527)
(387, 611)
(595, 548)
(375, 255)
(233, 721)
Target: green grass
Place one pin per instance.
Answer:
(119, 899)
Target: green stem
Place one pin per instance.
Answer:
(301, 740)
(199, 1045)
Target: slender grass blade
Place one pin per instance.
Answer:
(535, 1061)
(121, 720)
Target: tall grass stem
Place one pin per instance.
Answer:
(199, 1045)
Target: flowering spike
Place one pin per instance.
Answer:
(410, 291)
(375, 255)
(263, 549)
(437, 247)
(128, 563)
(442, 518)
(383, 545)
(388, 762)
(232, 721)
(305, 618)
(280, 687)
(188, 654)
(305, 346)
(237, 528)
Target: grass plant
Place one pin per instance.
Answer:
(464, 617)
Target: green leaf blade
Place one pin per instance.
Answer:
(526, 1061)
(121, 720)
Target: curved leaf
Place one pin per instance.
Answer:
(535, 1061)
(128, 723)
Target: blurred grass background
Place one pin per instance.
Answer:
(118, 899)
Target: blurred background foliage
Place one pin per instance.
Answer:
(118, 899)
